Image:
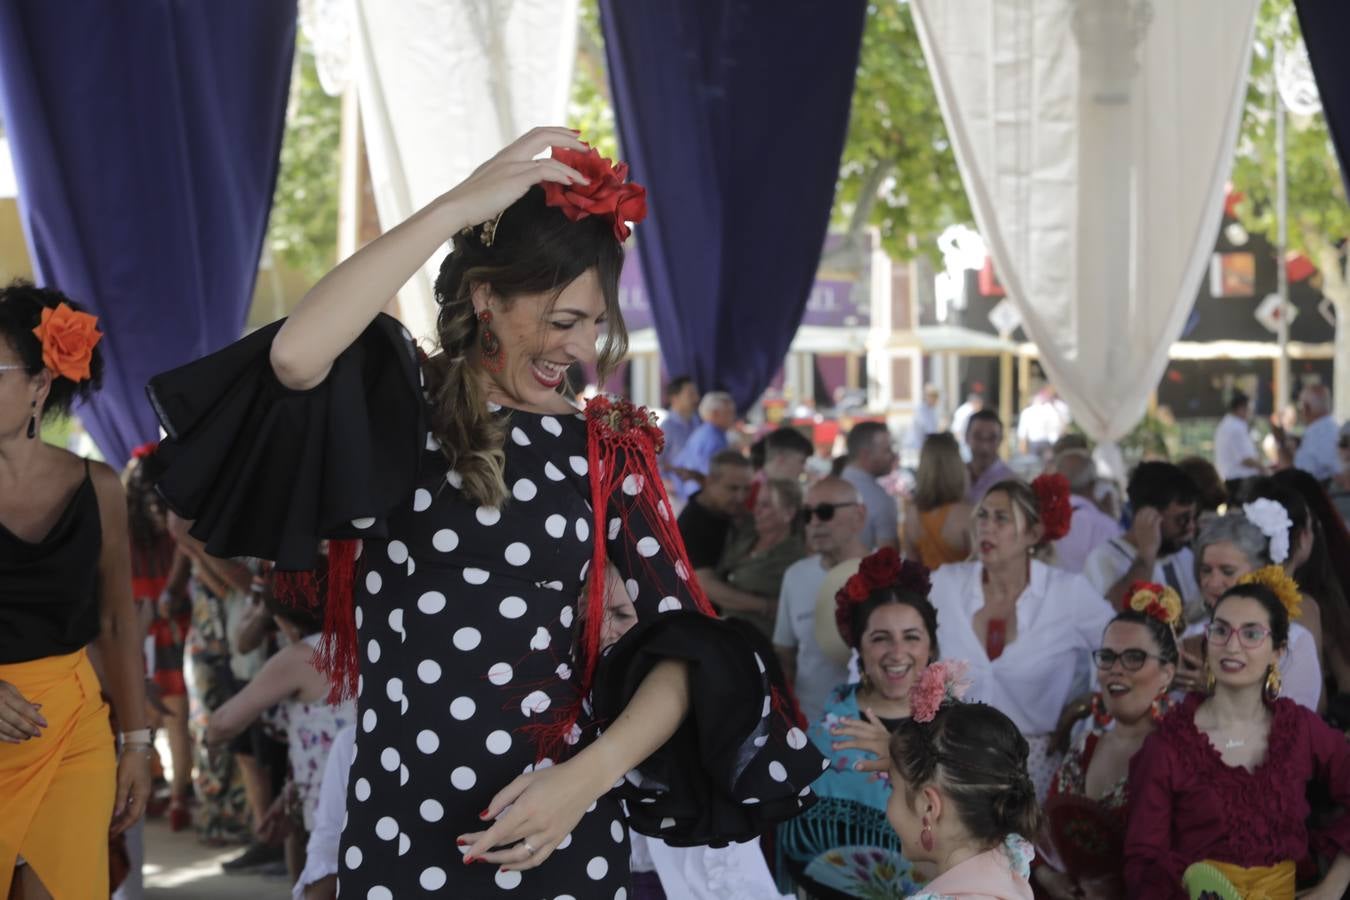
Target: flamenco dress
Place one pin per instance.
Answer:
(472, 652)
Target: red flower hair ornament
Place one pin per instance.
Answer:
(881, 569)
(1052, 502)
(608, 194)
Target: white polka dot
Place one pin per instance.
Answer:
(512, 608)
(463, 778)
(541, 639)
(551, 585)
(488, 515)
(386, 829)
(648, 547)
(597, 868)
(396, 621)
(404, 842)
(681, 571)
(368, 720)
(583, 529)
(353, 857)
(363, 523)
(555, 525)
(360, 618)
(432, 879)
(614, 526)
(621, 894)
(534, 704)
(517, 554)
(428, 671)
(393, 689)
(632, 485)
(632, 586)
(389, 759)
(759, 662)
(796, 738)
(524, 490)
(403, 705)
(499, 742)
(431, 602)
(566, 842)
(432, 444)
(379, 893)
(667, 604)
(373, 651)
(412, 565)
(578, 464)
(462, 708)
(445, 540)
(552, 472)
(667, 822)
(767, 706)
(454, 479)
(362, 790)
(500, 673)
(398, 552)
(507, 880)
(616, 831)
(564, 671)
(824, 764)
(777, 772)
(520, 437)
(428, 741)
(475, 576)
(431, 811)
(761, 740)
(663, 510)
(551, 425)
(421, 499)
(467, 638)
(373, 582)
(750, 801)
(565, 617)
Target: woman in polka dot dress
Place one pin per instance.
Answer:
(499, 752)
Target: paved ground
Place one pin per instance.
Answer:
(177, 867)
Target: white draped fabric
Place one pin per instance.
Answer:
(1094, 138)
(443, 85)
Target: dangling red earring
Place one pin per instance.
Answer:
(489, 348)
(926, 837)
(1100, 716)
(1159, 707)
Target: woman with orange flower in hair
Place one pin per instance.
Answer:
(1027, 629)
(65, 585)
(482, 496)
(1085, 811)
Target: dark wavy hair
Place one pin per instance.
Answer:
(21, 306)
(1326, 575)
(979, 759)
(1161, 633)
(1279, 616)
(888, 596)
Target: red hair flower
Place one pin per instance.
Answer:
(881, 569)
(144, 450)
(608, 194)
(1052, 502)
(68, 340)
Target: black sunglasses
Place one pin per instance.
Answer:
(1133, 660)
(824, 511)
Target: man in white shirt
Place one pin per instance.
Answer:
(835, 518)
(1157, 546)
(927, 419)
(1042, 423)
(961, 418)
(1089, 527)
(871, 455)
(1317, 453)
(1235, 453)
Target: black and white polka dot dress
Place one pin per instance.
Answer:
(466, 618)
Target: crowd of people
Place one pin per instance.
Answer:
(422, 625)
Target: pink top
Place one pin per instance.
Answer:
(999, 874)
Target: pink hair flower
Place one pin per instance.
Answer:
(942, 682)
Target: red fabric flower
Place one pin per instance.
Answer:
(881, 567)
(608, 194)
(68, 340)
(1052, 501)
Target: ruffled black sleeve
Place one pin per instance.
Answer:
(266, 471)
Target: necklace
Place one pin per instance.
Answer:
(1233, 745)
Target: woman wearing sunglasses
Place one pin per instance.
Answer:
(1085, 810)
(1218, 794)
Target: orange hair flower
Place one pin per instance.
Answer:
(68, 340)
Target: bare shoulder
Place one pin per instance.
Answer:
(107, 483)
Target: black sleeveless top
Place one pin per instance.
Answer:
(49, 589)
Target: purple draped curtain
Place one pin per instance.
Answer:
(733, 114)
(145, 138)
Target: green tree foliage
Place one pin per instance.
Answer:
(591, 110)
(303, 227)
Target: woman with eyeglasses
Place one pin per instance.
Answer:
(756, 558)
(1086, 807)
(936, 528)
(1218, 794)
(1227, 548)
(1027, 628)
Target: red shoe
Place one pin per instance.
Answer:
(180, 817)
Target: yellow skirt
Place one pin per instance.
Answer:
(56, 790)
(1256, 883)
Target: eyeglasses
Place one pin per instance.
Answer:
(1132, 660)
(1249, 636)
(13, 367)
(823, 511)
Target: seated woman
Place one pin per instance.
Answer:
(842, 847)
(961, 798)
(1227, 549)
(1218, 794)
(750, 574)
(1085, 810)
(1027, 629)
(936, 529)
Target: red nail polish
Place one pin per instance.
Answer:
(483, 814)
(505, 869)
(468, 860)
(460, 842)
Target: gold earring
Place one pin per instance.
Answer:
(1273, 681)
(1209, 679)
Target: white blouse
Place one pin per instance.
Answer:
(1060, 620)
